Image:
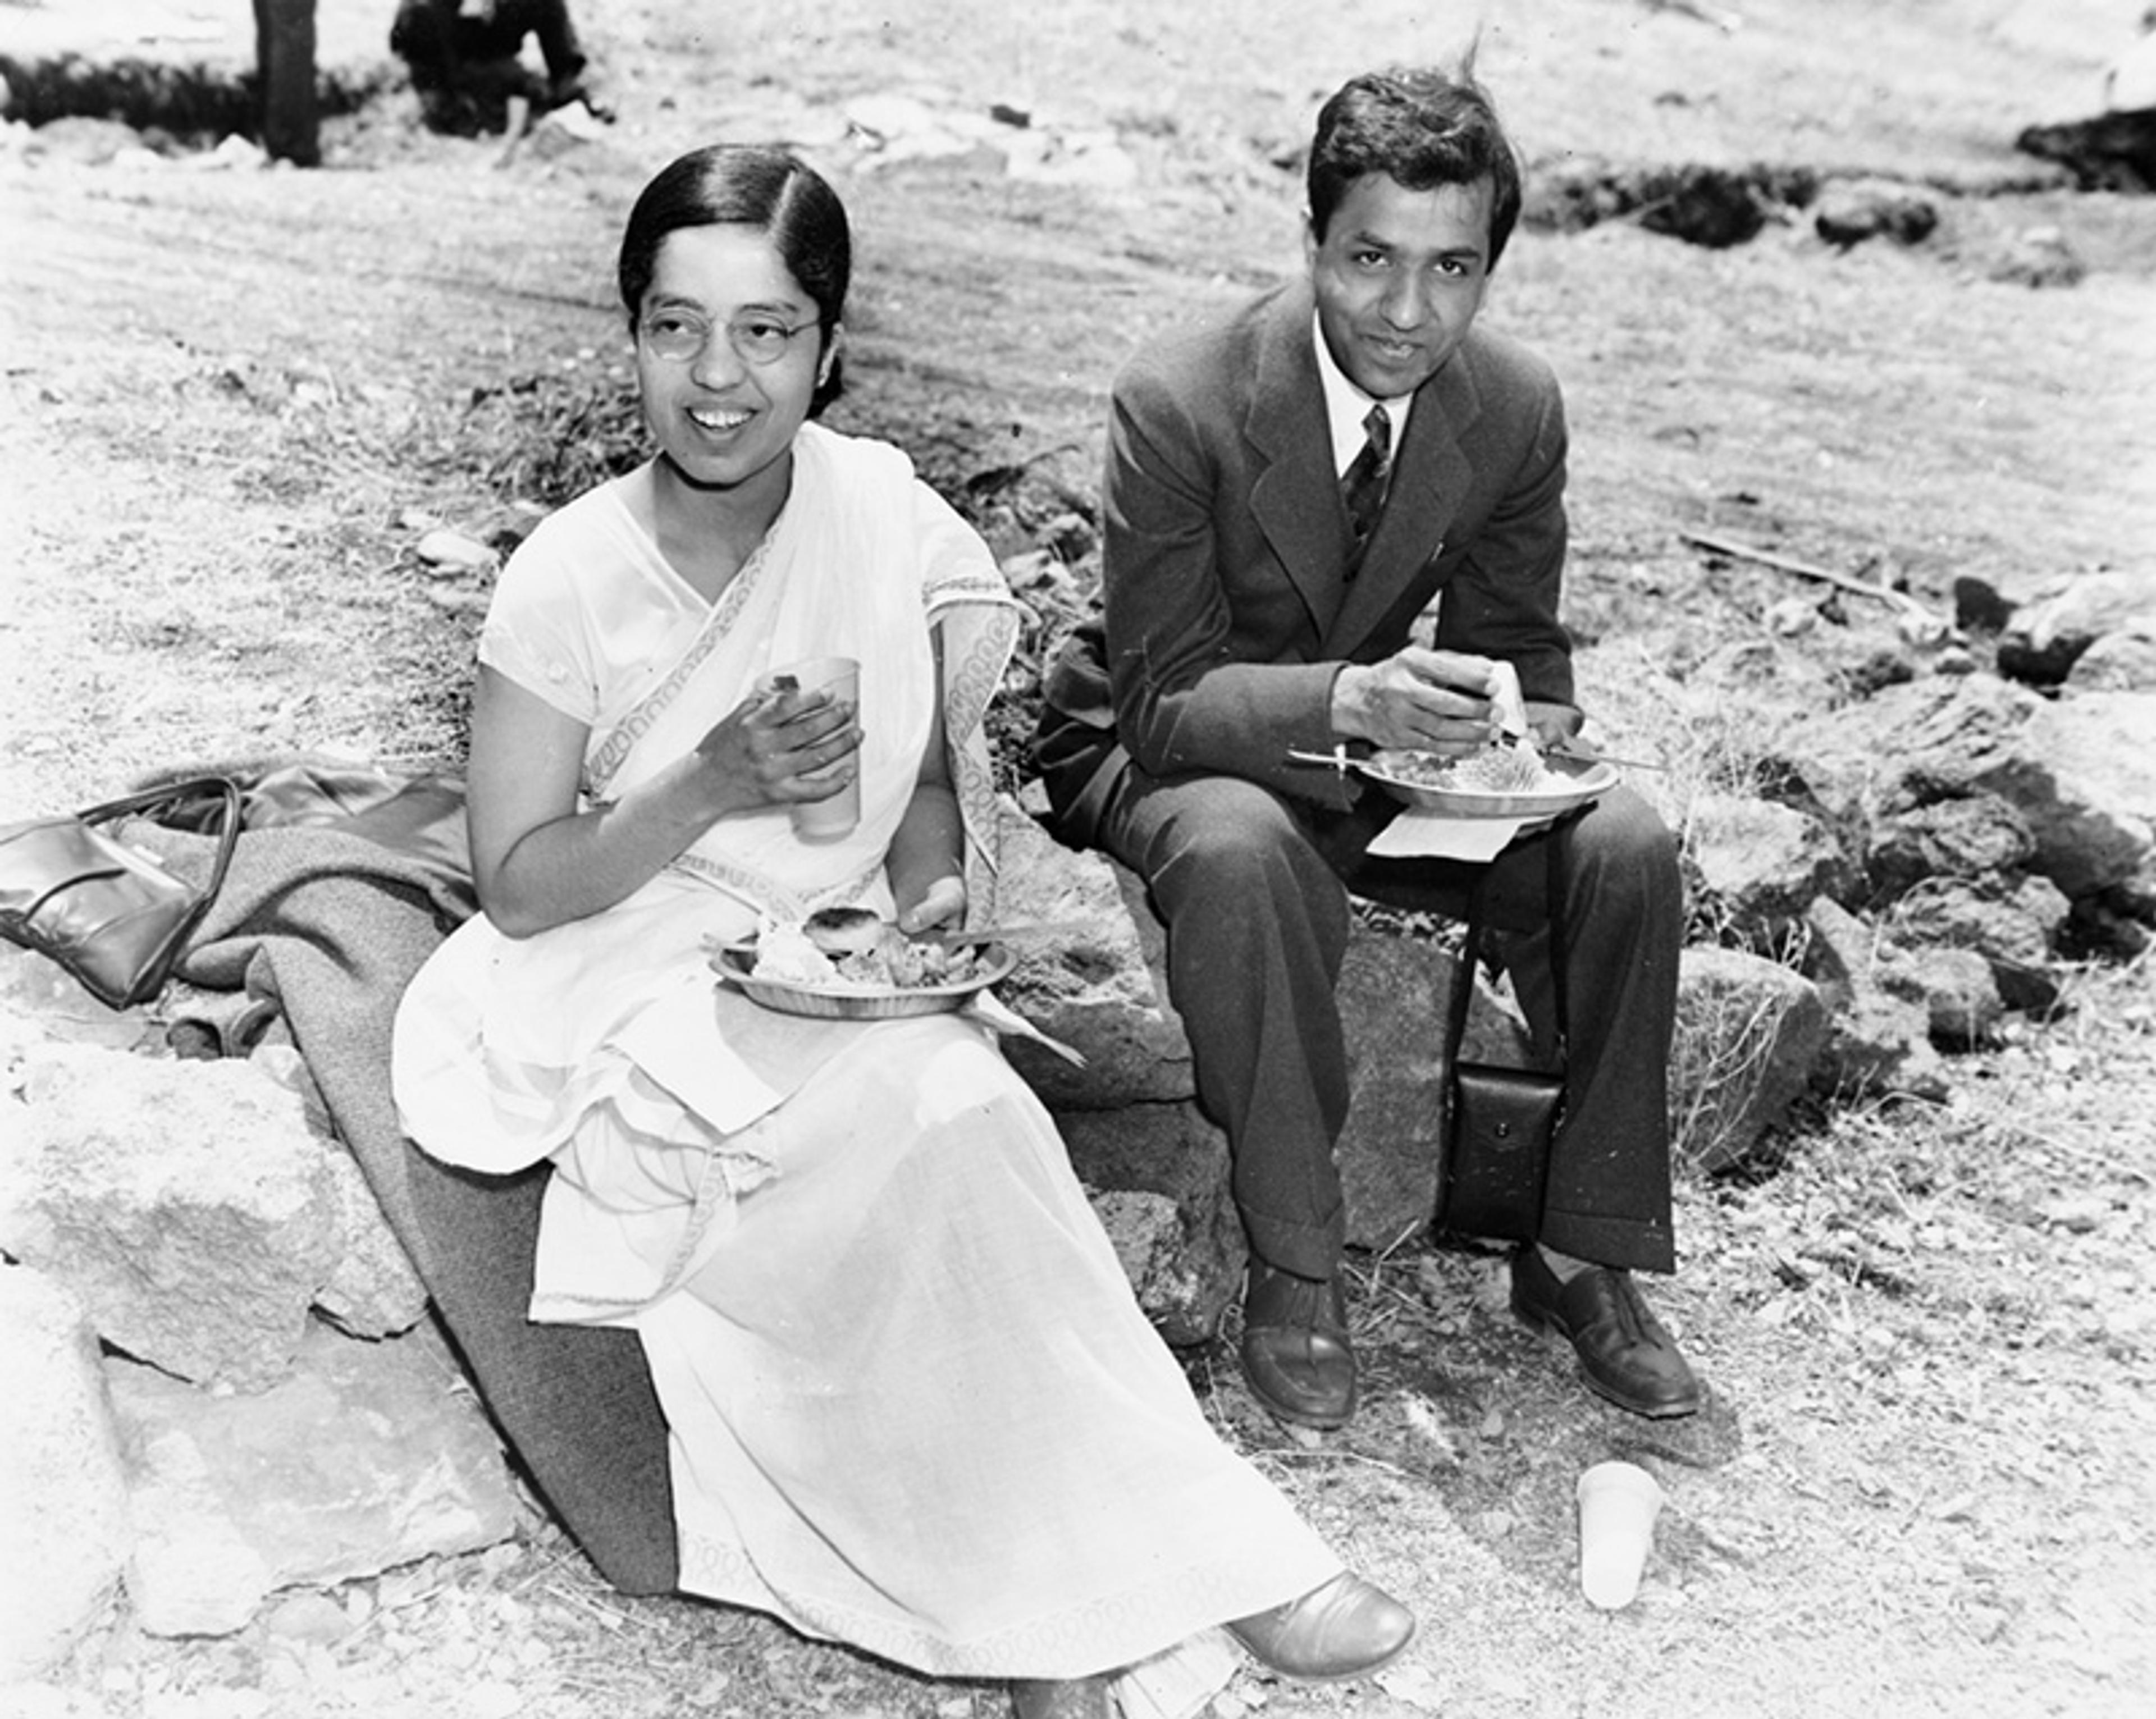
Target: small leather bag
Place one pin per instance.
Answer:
(1499, 1121)
(109, 914)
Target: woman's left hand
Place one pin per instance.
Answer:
(942, 905)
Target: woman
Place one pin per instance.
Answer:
(912, 1403)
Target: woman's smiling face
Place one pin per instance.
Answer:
(723, 421)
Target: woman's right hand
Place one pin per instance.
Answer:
(538, 860)
(780, 747)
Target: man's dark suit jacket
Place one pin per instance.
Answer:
(1228, 609)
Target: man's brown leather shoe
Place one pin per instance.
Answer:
(1296, 1352)
(1625, 1353)
(1345, 1629)
(1061, 1698)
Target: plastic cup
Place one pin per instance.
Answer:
(1618, 1504)
(827, 819)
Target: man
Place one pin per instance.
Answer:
(463, 58)
(1258, 591)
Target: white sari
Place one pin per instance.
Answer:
(914, 1405)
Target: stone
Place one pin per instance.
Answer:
(2039, 257)
(2088, 788)
(1094, 989)
(2107, 151)
(1961, 1004)
(88, 142)
(1395, 995)
(1168, 1151)
(373, 1289)
(1850, 211)
(1878, 1040)
(1981, 836)
(46, 1002)
(64, 1528)
(187, 1203)
(365, 1457)
(2050, 632)
(1749, 1033)
(2118, 662)
(2078, 771)
(1756, 866)
(1182, 1290)
(2014, 927)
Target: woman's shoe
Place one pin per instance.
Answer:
(1347, 1629)
(1062, 1698)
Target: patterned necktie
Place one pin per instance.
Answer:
(1363, 487)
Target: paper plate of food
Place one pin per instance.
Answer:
(848, 963)
(1510, 781)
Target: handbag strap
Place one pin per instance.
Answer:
(221, 789)
(1470, 948)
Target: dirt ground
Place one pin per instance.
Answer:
(1924, 1485)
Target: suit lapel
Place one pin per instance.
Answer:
(1294, 498)
(1429, 476)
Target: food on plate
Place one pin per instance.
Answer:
(1504, 768)
(851, 948)
(844, 931)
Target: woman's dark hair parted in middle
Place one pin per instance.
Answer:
(749, 185)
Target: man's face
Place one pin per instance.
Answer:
(1399, 277)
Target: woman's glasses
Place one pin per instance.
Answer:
(677, 336)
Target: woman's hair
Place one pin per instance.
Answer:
(1422, 127)
(749, 185)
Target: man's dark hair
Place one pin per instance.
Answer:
(754, 185)
(1422, 127)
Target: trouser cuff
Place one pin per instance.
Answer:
(1311, 1250)
(1622, 1244)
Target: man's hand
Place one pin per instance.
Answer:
(1441, 702)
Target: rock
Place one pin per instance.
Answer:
(2048, 634)
(1749, 1032)
(1980, 606)
(373, 1289)
(1704, 204)
(2039, 257)
(1395, 995)
(1182, 1290)
(2088, 788)
(65, 1529)
(1878, 1041)
(187, 1203)
(367, 1456)
(1961, 1004)
(2118, 662)
(1767, 675)
(78, 138)
(1757, 865)
(1169, 1153)
(2013, 928)
(1094, 989)
(2078, 771)
(2111, 151)
(1979, 837)
(1851, 211)
(451, 551)
(1707, 205)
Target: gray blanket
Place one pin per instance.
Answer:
(329, 921)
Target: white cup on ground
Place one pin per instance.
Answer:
(825, 820)
(1618, 1504)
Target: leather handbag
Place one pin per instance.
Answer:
(1499, 1122)
(109, 913)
